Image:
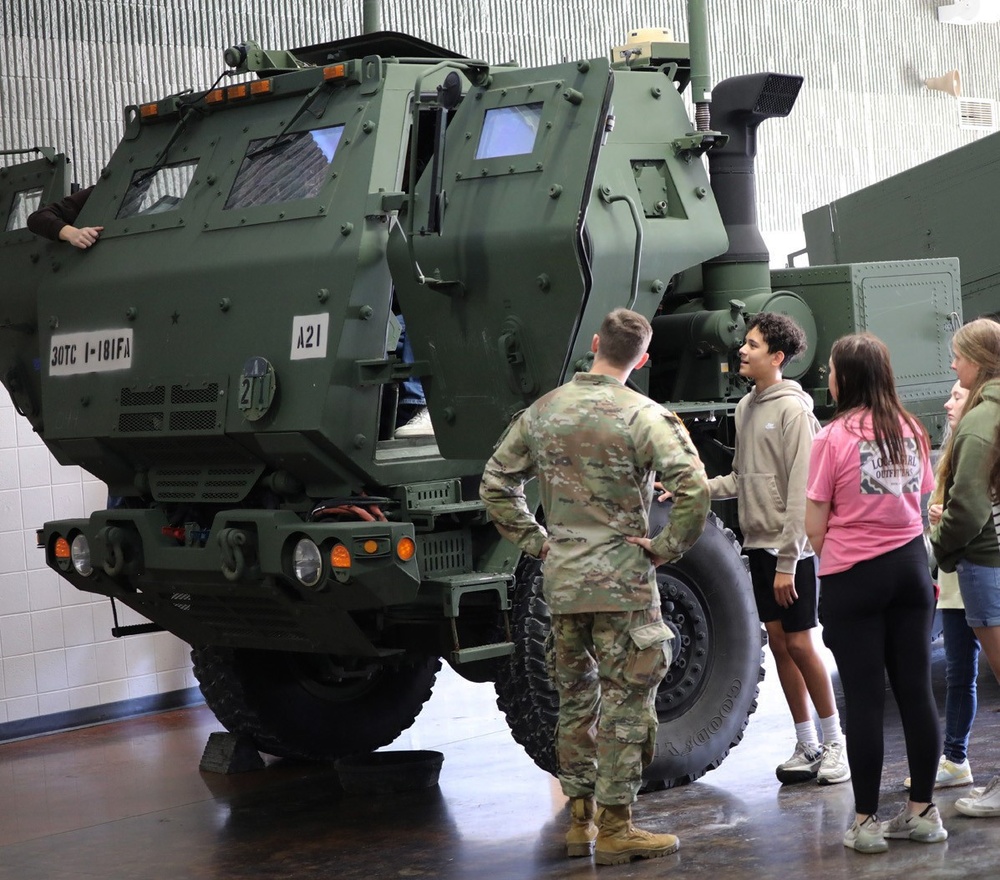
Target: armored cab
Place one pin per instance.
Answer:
(225, 358)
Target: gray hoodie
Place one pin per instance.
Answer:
(774, 432)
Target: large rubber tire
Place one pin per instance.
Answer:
(710, 691)
(290, 705)
(525, 692)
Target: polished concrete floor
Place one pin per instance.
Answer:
(127, 800)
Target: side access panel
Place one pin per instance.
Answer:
(507, 281)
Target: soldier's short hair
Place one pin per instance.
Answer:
(780, 333)
(624, 337)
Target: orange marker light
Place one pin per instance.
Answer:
(370, 546)
(335, 71)
(238, 91)
(340, 557)
(260, 87)
(148, 110)
(405, 548)
(215, 96)
(61, 549)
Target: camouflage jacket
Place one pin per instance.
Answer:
(596, 447)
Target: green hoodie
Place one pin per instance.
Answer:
(966, 529)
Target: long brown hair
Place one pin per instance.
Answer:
(865, 384)
(979, 343)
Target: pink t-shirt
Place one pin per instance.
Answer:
(874, 505)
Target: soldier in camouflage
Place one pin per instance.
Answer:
(596, 448)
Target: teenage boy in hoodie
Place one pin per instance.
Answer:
(775, 426)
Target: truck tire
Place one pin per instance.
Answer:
(710, 691)
(283, 702)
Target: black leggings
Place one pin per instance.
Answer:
(879, 614)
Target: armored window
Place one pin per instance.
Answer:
(284, 168)
(155, 190)
(26, 202)
(509, 131)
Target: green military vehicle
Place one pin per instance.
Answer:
(224, 359)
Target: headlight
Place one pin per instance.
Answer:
(307, 563)
(80, 554)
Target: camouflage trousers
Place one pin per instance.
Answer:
(607, 667)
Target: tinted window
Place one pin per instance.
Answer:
(157, 191)
(25, 202)
(509, 131)
(284, 168)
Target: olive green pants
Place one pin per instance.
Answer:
(607, 667)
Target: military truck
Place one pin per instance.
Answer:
(224, 359)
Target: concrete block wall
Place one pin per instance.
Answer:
(70, 67)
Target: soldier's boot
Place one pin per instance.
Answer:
(619, 841)
(582, 830)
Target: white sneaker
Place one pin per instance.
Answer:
(922, 827)
(802, 766)
(418, 426)
(868, 837)
(949, 774)
(982, 803)
(833, 768)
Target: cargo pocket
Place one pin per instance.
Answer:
(631, 752)
(650, 654)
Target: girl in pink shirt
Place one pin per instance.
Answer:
(867, 472)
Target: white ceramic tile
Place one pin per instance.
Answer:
(8, 429)
(11, 552)
(8, 467)
(15, 634)
(44, 589)
(143, 686)
(10, 510)
(110, 661)
(26, 436)
(50, 671)
(140, 655)
(3, 712)
(67, 501)
(19, 676)
(174, 680)
(171, 652)
(47, 629)
(81, 665)
(56, 701)
(65, 473)
(34, 556)
(95, 496)
(78, 625)
(33, 466)
(104, 620)
(21, 708)
(36, 506)
(113, 691)
(14, 593)
(83, 697)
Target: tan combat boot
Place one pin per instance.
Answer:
(582, 830)
(619, 841)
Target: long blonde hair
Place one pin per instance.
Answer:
(979, 343)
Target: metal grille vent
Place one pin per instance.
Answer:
(778, 95)
(225, 483)
(978, 114)
(192, 408)
(444, 553)
(183, 394)
(239, 618)
(151, 397)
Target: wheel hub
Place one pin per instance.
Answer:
(684, 614)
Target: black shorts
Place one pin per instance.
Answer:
(801, 614)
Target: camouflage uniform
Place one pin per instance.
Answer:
(595, 447)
